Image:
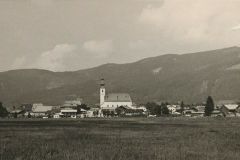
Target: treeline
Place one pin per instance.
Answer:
(3, 111)
(156, 109)
(162, 109)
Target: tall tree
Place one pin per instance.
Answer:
(151, 106)
(158, 110)
(154, 108)
(3, 111)
(164, 109)
(181, 107)
(209, 106)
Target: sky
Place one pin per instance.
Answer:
(67, 35)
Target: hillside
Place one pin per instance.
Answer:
(187, 77)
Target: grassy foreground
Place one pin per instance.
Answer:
(125, 139)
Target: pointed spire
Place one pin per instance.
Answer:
(102, 84)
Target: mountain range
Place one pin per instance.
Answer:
(172, 77)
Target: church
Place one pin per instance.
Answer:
(113, 100)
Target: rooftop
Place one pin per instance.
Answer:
(231, 106)
(118, 97)
(41, 108)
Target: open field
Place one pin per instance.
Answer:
(135, 138)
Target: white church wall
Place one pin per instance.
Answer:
(116, 104)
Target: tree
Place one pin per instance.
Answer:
(209, 106)
(120, 110)
(154, 108)
(164, 109)
(151, 106)
(82, 106)
(3, 111)
(29, 115)
(182, 107)
(158, 110)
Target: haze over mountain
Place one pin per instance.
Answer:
(172, 77)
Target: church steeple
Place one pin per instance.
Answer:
(102, 84)
(102, 92)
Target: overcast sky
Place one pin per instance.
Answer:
(62, 35)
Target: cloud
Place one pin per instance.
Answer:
(57, 58)
(192, 21)
(236, 27)
(99, 49)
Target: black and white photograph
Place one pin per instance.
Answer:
(119, 79)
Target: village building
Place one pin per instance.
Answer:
(197, 113)
(39, 110)
(57, 115)
(82, 113)
(16, 113)
(143, 108)
(72, 102)
(172, 108)
(68, 113)
(216, 113)
(27, 107)
(199, 108)
(126, 111)
(230, 110)
(113, 100)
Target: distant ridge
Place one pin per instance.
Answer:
(188, 77)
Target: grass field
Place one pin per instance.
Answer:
(135, 138)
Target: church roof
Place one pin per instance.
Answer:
(118, 97)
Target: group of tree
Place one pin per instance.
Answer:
(209, 108)
(156, 109)
(82, 106)
(3, 111)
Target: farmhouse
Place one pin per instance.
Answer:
(172, 108)
(39, 110)
(230, 110)
(16, 113)
(68, 113)
(57, 115)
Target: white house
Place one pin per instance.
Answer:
(230, 110)
(69, 113)
(57, 115)
(200, 108)
(172, 108)
(113, 100)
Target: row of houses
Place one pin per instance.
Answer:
(116, 104)
(222, 108)
(74, 110)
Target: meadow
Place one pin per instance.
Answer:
(121, 139)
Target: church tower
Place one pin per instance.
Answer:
(102, 92)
